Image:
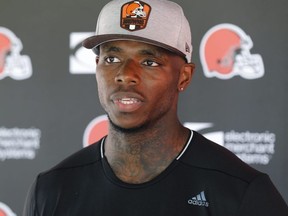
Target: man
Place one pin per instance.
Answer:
(149, 164)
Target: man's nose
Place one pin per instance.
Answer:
(128, 73)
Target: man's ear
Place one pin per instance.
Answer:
(185, 77)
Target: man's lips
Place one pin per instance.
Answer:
(127, 102)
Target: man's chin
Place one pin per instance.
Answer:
(121, 129)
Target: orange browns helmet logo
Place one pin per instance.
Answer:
(12, 63)
(225, 52)
(96, 130)
(134, 15)
(5, 210)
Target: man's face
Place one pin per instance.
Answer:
(137, 83)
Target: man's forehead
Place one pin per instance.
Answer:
(140, 47)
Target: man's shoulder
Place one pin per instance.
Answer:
(84, 157)
(205, 154)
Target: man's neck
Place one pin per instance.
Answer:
(141, 156)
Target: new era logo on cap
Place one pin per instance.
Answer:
(134, 15)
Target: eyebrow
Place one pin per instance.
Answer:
(108, 48)
(151, 52)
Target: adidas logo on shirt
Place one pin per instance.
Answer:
(199, 200)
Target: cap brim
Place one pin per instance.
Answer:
(95, 41)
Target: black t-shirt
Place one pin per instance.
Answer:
(205, 179)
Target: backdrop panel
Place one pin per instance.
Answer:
(48, 97)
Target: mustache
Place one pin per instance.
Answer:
(127, 89)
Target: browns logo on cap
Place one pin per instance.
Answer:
(134, 15)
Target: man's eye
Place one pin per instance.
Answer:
(112, 59)
(150, 63)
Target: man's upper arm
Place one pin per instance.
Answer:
(262, 198)
(30, 203)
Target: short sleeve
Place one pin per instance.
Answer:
(30, 203)
(262, 198)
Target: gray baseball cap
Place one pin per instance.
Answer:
(158, 22)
